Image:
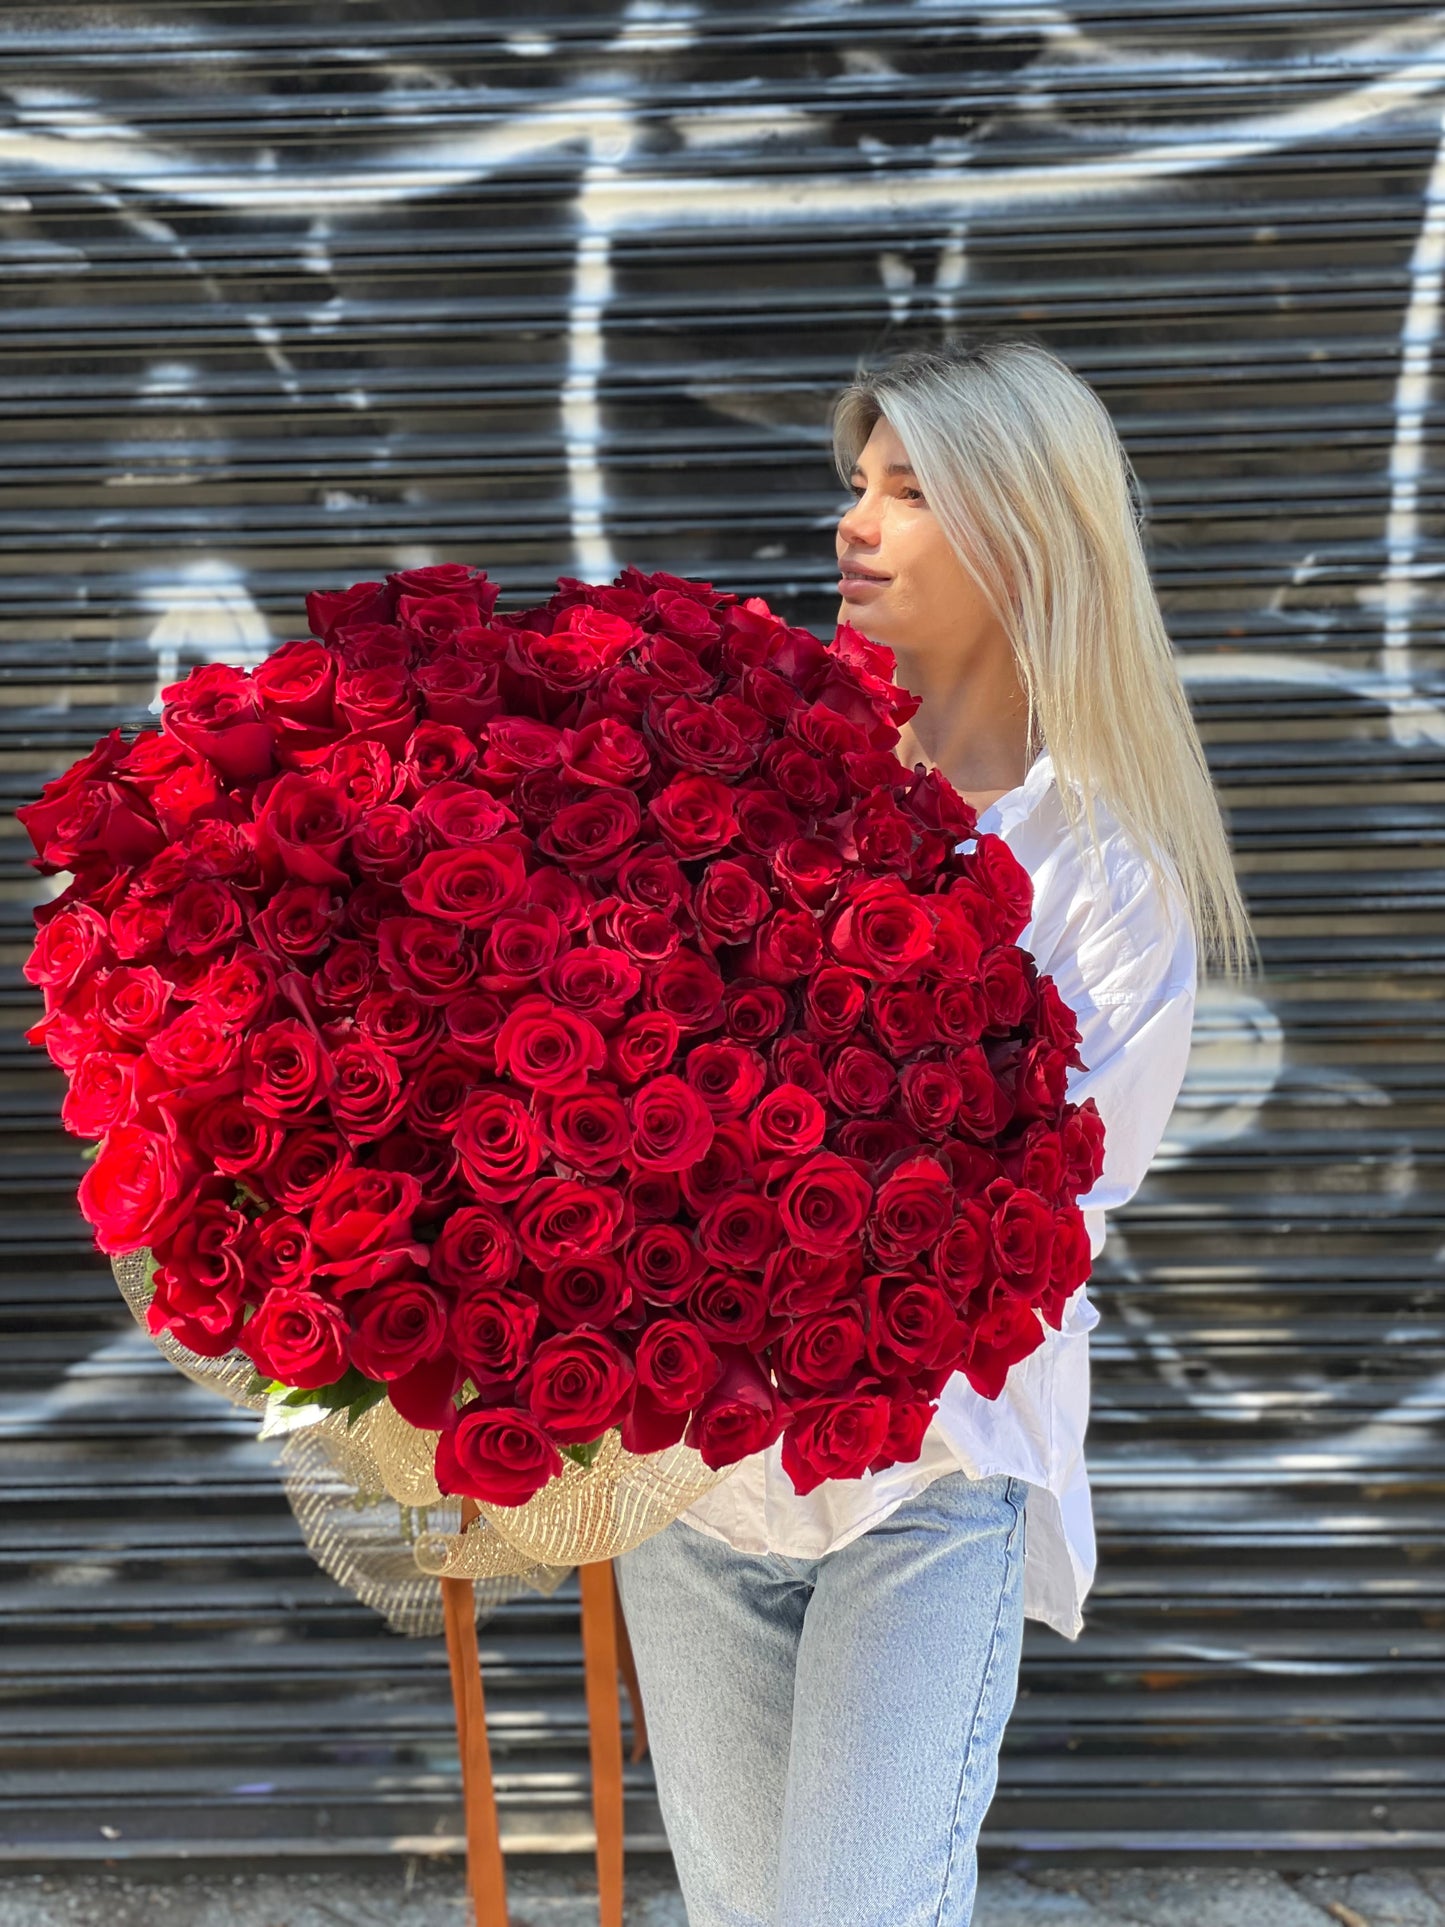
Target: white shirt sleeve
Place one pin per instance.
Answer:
(1131, 984)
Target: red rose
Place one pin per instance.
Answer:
(467, 885)
(754, 1012)
(304, 1164)
(821, 1352)
(731, 903)
(285, 1070)
(303, 825)
(495, 1454)
(881, 928)
(689, 989)
(824, 1204)
(726, 1077)
(493, 1332)
(585, 1291)
(1023, 1232)
(596, 980)
(296, 1338)
(395, 1327)
(607, 752)
(834, 1001)
(646, 1044)
(675, 1364)
(742, 1413)
(903, 1017)
(730, 1308)
(102, 1092)
(834, 1439)
(138, 1184)
(548, 1047)
(860, 1082)
(789, 1122)
(739, 1231)
(558, 1218)
(216, 713)
(695, 815)
(499, 1145)
(203, 916)
(579, 1386)
(662, 1263)
(278, 1251)
(362, 1225)
(587, 1129)
(671, 1126)
(914, 1326)
(1002, 1336)
(74, 944)
(911, 1209)
(591, 832)
(433, 961)
(520, 945)
(787, 947)
(367, 1096)
(298, 680)
(475, 1247)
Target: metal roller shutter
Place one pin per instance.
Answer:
(296, 294)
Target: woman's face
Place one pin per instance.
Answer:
(900, 581)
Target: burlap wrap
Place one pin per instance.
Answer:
(373, 1517)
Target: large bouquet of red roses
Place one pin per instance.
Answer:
(563, 1021)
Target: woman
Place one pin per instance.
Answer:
(827, 1679)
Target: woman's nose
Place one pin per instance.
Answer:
(859, 523)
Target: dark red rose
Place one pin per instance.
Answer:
(579, 1385)
(596, 980)
(754, 1012)
(807, 869)
(286, 1071)
(740, 1415)
(499, 1145)
(520, 945)
(834, 1000)
(738, 1231)
(366, 1096)
(646, 1044)
(822, 1351)
(588, 1129)
(908, 1423)
(914, 1326)
(788, 1122)
(608, 753)
(931, 1096)
(834, 1438)
(475, 1247)
(432, 960)
(585, 1291)
(675, 1364)
(1023, 1228)
(395, 1327)
(731, 1308)
(304, 1164)
(493, 1332)
(495, 1454)
(824, 1204)
(593, 830)
(1002, 1336)
(911, 1209)
(860, 1082)
(802, 1282)
(216, 713)
(731, 903)
(662, 1263)
(671, 1126)
(695, 815)
(727, 1077)
(297, 1338)
(689, 989)
(788, 946)
(277, 1250)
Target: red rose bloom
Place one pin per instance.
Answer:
(495, 1454)
(579, 1386)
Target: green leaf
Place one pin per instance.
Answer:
(92, 1151)
(582, 1454)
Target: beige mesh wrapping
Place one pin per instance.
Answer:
(368, 1504)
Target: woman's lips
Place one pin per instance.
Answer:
(854, 588)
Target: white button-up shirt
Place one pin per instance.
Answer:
(1103, 935)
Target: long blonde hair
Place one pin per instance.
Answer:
(1022, 466)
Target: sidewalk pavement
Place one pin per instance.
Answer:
(429, 1894)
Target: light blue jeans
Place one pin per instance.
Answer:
(825, 1732)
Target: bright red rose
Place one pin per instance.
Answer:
(834, 1438)
(671, 1126)
(475, 1247)
(911, 1209)
(558, 1218)
(741, 1415)
(297, 1338)
(137, 1186)
(821, 1352)
(579, 1385)
(547, 1047)
(499, 1145)
(695, 815)
(495, 1454)
(493, 1331)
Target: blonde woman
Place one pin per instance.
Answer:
(827, 1679)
